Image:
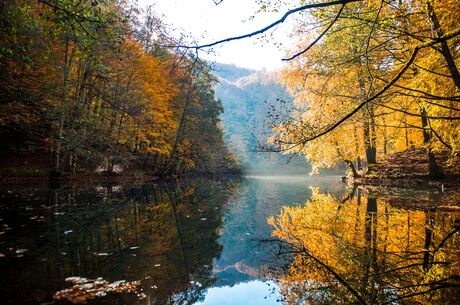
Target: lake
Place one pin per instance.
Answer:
(205, 241)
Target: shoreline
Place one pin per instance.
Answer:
(447, 183)
(419, 181)
(84, 179)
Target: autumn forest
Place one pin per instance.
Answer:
(86, 83)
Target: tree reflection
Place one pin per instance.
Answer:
(366, 251)
(163, 235)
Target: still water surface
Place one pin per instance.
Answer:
(205, 242)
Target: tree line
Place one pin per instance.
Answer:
(90, 83)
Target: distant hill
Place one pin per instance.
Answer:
(230, 72)
(247, 95)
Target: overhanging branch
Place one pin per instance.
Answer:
(271, 25)
(317, 38)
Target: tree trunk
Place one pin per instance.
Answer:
(351, 171)
(359, 164)
(66, 71)
(433, 169)
(369, 143)
(385, 138)
(406, 132)
(179, 134)
(427, 257)
(445, 51)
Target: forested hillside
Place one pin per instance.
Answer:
(248, 97)
(88, 84)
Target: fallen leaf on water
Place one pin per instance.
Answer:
(84, 289)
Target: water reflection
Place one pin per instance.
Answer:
(165, 236)
(249, 293)
(245, 263)
(369, 249)
(244, 257)
(199, 242)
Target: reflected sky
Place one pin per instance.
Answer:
(244, 258)
(250, 293)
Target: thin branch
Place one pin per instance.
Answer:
(440, 139)
(425, 99)
(77, 16)
(271, 25)
(451, 118)
(426, 95)
(452, 233)
(368, 42)
(392, 301)
(336, 275)
(318, 38)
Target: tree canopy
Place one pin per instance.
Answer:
(90, 83)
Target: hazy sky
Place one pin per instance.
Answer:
(208, 22)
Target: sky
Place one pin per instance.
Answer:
(250, 293)
(208, 22)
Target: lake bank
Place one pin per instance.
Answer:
(407, 182)
(101, 178)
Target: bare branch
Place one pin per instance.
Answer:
(317, 38)
(440, 139)
(368, 42)
(271, 25)
(450, 118)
